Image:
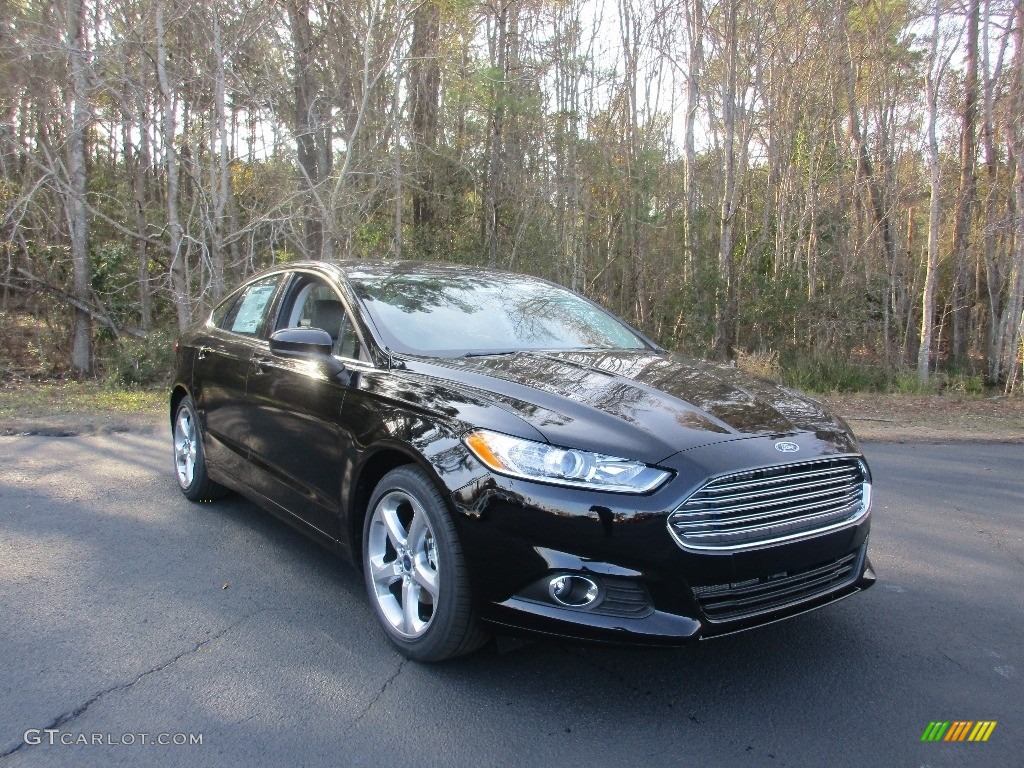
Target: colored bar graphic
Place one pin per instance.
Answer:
(958, 730)
(982, 730)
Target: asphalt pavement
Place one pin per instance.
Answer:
(129, 616)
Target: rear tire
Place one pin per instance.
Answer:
(189, 458)
(414, 571)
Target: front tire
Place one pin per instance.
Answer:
(189, 459)
(414, 571)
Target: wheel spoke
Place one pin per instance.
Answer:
(383, 574)
(411, 623)
(426, 577)
(417, 530)
(185, 425)
(396, 531)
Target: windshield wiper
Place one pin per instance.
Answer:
(492, 354)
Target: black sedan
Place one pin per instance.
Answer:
(498, 454)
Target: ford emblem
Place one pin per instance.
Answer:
(787, 447)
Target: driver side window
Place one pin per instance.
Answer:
(314, 304)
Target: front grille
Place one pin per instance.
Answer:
(732, 602)
(763, 505)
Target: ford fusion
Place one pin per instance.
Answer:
(499, 455)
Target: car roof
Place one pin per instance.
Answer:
(379, 268)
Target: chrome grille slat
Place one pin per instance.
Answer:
(786, 500)
(782, 595)
(687, 521)
(774, 478)
(835, 513)
(757, 506)
(731, 602)
(757, 587)
(729, 540)
(712, 496)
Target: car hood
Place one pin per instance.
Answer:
(641, 405)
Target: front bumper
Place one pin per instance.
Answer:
(517, 535)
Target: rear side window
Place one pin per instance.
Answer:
(217, 316)
(249, 311)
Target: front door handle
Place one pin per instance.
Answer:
(261, 365)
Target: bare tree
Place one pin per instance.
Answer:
(694, 62)
(424, 93)
(499, 46)
(176, 250)
(312, 130)
(965, 195)
(77, 216)
(937, 63)
(724, 301)
(1011, 325)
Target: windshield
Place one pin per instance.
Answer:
(446, 313)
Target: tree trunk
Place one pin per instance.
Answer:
(933, 80)
(312, 135)
(723, 303)
(424, 91)
(178, 258)
(1011, 326)
(222, 177)
(396, 112)
(965, 195)
(694, 62)
(496, 145)
(136, 163)
(78, 221)
(631, 30)
(993, 276)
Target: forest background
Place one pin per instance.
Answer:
(830, 192)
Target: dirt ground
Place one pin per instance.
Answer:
(63, 411)
(931, 418)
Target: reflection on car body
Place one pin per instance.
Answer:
(499, 454)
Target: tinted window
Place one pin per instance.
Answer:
(249, 312)
(314, 304)
(447, 314)
(219, 312)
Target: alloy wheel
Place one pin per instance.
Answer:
(403, 564)
(185, 448)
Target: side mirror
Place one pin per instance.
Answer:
(301, 342)
(309, 344)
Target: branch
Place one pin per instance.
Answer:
(58, 178)
(65, 296)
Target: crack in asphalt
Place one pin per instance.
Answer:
(81, 709)
(376, 697)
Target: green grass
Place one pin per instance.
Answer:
(80, 397)
(830, 374)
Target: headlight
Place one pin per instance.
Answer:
(514, 456)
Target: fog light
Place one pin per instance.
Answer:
(573, 591)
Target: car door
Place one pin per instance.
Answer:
(223, 355)
(296, 407)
